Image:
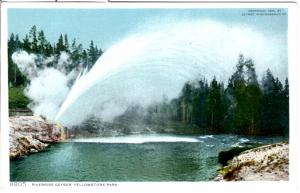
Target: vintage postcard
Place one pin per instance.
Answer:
(129, 96)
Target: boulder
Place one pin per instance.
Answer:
(225, 156)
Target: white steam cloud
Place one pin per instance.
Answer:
(48, 86)
(48, 90)
(26, 63)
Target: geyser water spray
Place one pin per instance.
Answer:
(143, 67)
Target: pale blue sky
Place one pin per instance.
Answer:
(106, 26)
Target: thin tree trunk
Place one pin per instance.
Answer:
(15, 75)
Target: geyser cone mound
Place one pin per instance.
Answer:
(147, 65)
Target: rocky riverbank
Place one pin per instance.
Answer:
(266, 163)
(30, 134)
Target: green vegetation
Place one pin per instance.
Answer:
(17, 99)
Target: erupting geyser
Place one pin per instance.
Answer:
(143, 67)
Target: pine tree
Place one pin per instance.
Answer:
(215, 107)
(237, 90)
(18, 43)
(11, 66)
(48, 49)
(93, 54)
(66, 45)
(85, 59)
(42, 42)
(15, 77)
(250, 72)
(60, 45)
(274, 105)
(11, 43)
(200, 94)
(238, 76)
(186, 103)
(34, 41)
(76, 53)
(26, 45)
(285, 109)
(254, 97)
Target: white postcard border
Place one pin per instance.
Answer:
(262, 186)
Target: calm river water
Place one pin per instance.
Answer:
(154, 157)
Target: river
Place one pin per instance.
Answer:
(155, 157)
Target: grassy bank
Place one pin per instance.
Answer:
(17, 99)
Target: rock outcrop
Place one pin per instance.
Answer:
(266, 163)
(30, 134)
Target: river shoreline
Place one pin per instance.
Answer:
(265, 163)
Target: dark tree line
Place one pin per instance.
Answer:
(245, 106)
(35, 42)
